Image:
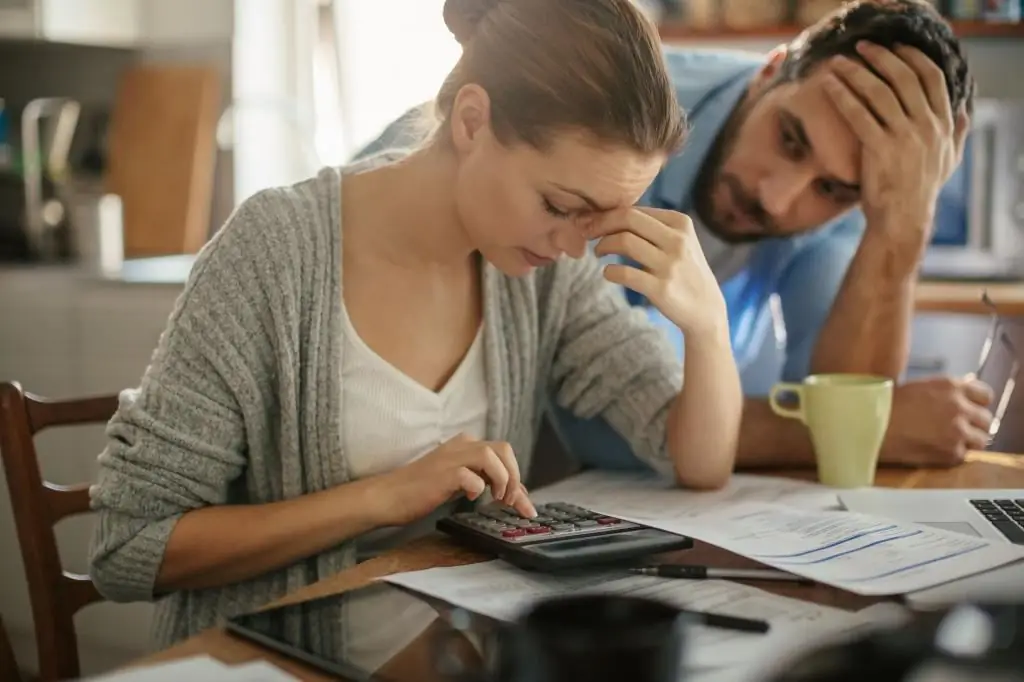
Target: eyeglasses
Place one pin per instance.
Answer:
(997, 335)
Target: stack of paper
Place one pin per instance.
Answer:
(503, 592)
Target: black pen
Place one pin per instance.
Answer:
(719, 620)
(689, 572)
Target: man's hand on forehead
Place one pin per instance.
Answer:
(912, 140)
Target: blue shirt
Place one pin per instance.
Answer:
(805, 271)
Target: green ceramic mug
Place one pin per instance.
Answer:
(847, 416)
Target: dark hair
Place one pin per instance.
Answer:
(590, 65)
(887, 23)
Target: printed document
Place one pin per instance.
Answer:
(863, 554)
(504, 592)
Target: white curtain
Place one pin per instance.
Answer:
(315, 80)
(392, 54)
(270, 121)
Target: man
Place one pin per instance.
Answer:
(812, 175)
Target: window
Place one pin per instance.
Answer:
(373, 60)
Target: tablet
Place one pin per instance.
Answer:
(394, 635)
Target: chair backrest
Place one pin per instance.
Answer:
(9, 671)
(56, 595)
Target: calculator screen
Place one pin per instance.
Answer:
(564, 547)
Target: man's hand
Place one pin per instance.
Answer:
(936, 421)
(912, 142)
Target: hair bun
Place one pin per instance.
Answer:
(462, 17)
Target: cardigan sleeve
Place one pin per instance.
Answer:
(178, 441)
(612, 362)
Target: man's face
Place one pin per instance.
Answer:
(787, 163)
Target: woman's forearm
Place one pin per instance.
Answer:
(220, 545)
(704, 422)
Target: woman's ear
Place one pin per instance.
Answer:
(470, 118)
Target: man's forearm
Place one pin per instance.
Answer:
(868, 330)
(767, 440)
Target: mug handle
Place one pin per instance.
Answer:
(788, 412)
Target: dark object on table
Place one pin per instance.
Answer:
(596, 638)
(967, 643)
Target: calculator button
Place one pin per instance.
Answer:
(513, 533)
(564, 527)
(586, 523)
(538, 530)
(608, 521)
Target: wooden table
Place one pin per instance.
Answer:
(982, 470)
(957, 297)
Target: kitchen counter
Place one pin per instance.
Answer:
(965, 298)
(932, 296)
(159, 270)
(163, 270)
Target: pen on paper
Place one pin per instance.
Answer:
(720, 620)
(690, 572)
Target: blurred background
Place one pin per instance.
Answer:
(130, 129)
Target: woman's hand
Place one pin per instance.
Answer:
(675, 277)
(461, 466)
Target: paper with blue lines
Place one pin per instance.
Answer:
(863, 554)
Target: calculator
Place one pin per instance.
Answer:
(561, 536)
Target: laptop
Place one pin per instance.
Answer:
(996, 514)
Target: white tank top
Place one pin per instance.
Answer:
(390, 420)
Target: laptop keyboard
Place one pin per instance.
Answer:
(1006, 515)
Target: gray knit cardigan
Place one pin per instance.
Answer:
(241, 403)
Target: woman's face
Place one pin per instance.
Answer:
(523, 208)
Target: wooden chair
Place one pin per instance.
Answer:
(8, 665)
(56, 595)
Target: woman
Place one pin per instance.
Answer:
(353, 352)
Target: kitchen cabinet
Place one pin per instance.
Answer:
(187, 22)
(114, 23)
(119, 23)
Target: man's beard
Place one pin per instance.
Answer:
(711, 178)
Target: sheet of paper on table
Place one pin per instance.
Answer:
(771, 521)
(501, 591)
(885, 615)
(595, 487)
(199, 669)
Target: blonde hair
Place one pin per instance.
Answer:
(556, 65)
